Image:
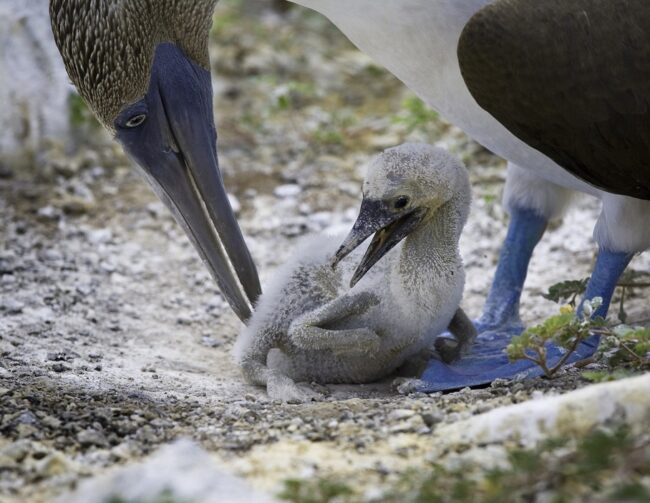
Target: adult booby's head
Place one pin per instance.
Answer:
(143, 67)
(404, 188)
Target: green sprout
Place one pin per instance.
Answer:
(630, 279)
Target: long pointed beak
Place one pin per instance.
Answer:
(176, 148)
(209, 218)
(389, 228)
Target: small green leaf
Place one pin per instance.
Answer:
(566, 290)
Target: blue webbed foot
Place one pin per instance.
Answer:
(487, 361)
(500, 321)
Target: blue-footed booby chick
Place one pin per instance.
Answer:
(323, 320)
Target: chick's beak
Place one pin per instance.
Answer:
(389, 226)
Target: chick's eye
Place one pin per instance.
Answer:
(401, 202)
(136, 120)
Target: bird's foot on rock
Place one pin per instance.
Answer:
(280, 387)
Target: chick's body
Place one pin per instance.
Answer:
(309, 325)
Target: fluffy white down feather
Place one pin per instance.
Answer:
(418, 285)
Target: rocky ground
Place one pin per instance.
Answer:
(113, 337)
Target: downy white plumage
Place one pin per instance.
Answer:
(309, 325)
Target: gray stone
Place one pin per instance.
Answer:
(92, 438)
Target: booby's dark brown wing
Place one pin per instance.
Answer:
(571, 78)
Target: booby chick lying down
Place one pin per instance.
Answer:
(323, 320)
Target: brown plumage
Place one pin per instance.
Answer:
(572, 79)
(108, 45)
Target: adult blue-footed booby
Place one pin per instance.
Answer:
(560, 89)
(361, 320)
(144, 69)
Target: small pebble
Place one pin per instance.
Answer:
(90, 437)
(287, 191)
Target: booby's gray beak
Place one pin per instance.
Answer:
(389, 225)
(175, 145)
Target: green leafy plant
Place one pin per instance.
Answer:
(294, 95)
(625, 345)
(229, 13)
(624, 348)
(80, 114)
(565, 330)
(597, 376)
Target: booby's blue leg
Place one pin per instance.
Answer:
(501, 310)
(608, 269)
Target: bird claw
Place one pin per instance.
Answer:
(448, 349)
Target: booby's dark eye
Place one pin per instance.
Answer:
(136, 120)
(401, 202)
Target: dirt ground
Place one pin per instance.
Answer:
(113, 337)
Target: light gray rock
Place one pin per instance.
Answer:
(626, 401)
(181, 470)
